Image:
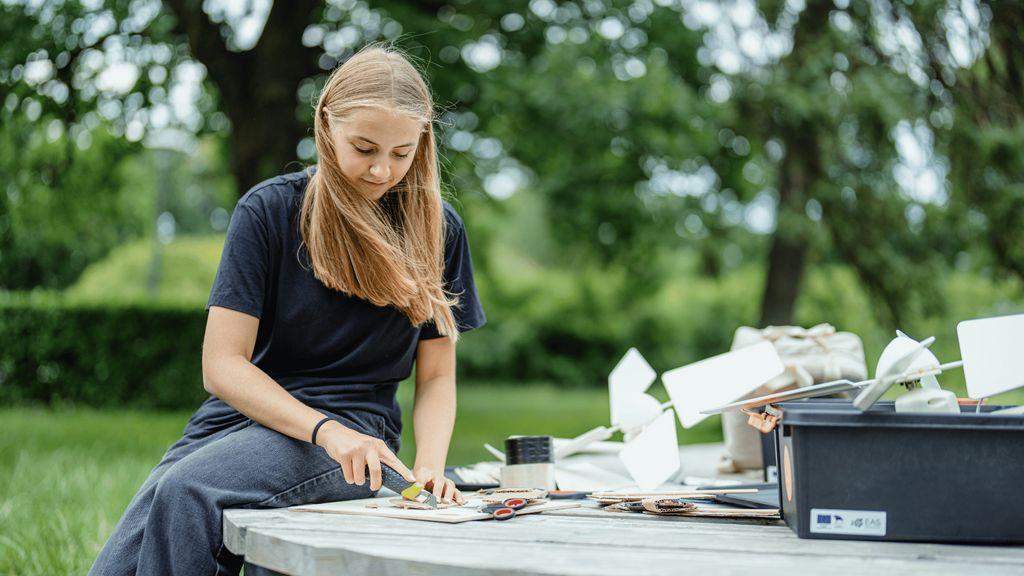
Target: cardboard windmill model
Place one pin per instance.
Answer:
(990, 349)
(651, 450)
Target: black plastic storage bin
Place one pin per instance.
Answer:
(880, 475)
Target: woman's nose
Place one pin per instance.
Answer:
(380, 171)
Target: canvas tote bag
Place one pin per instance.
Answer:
(811, 356)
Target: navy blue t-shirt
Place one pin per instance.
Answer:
(332, 351)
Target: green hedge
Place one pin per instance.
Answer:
(553, 327)
(101, 356)
(564, 327)
(572, 327)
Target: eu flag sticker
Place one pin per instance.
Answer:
(853, 522)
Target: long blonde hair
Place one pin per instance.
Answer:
(354, 244)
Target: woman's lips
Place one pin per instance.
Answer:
(374, 183)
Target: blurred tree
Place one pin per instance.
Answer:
(60, 209)
(74, 105)
(984, 141)
(256, 84)
(793, 132)
(831, 105)
(775, 120)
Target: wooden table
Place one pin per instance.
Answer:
(580, 541)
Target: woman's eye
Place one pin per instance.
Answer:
(363, 151)
(406, 155)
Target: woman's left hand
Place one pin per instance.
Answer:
(434, 480)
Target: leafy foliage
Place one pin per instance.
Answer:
(62, 207)
(771, 133)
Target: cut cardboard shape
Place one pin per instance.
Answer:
(923, 363)
(636, 411)
(587, 477)
(631, 407)
(899, 357)
(652, 458)
(719, 380)
(381, 507)
(991, 349)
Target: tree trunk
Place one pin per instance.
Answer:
(257, 88)
(800, 169)
(786, 263)
(788, 257)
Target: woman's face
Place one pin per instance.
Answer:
(375, 148)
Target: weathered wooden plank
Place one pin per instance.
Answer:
(627, 533)
(373, 554)
(582, 541)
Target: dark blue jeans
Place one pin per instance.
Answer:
(173, 524)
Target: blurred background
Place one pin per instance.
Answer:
(648, 173)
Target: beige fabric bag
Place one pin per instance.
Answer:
(811, 356)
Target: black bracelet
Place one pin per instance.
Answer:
(317, 428)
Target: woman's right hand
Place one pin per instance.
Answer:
(357, 452)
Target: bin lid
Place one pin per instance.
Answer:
(841, 413)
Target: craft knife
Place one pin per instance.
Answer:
(394, 481)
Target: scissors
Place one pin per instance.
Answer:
(504, 510)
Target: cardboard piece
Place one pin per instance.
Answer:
(652, 458)
(991, 351)
(719, 380)
(923, 362)
(631, 406)
(690, 494)
(380, 508)
(586, 477)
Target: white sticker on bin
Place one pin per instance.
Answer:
(852, 522)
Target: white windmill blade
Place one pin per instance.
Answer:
(902, 355)
(814, 391)
(630, 405)
(652, 457)
(580, 442)
(991, 351)
(924, 362)
(719, 380)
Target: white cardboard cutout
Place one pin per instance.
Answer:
(993, 353)
(631, 407)
(652, 458)
(720, 380)
(897, 348)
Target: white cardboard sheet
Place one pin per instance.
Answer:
(993, 353)
(719, 380)
(379, 507)
(631, 406)
(586, 477)
(652, 458)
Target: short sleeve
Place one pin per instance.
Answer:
(458, 279)
(241, 280)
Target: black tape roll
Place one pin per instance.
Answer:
(529, 450)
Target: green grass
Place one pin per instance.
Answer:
(65, 478)
(67, 474)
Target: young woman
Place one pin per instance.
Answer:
(332, 283)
